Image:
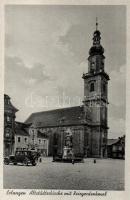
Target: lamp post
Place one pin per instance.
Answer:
(33, 135)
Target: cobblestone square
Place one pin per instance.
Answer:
(106, 174)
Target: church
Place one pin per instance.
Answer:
(88, 122)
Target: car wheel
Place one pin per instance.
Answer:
(34, 163)
(6, 162)
(15, 163)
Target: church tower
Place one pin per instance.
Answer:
(96, 98)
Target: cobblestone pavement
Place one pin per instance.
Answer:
(106, 174)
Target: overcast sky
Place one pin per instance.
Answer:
(46, 50)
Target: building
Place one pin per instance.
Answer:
(9, 126)
(26, 138)
(38, 141)
(116, 148)
(21, 136)
(55, 124)
(88, 122)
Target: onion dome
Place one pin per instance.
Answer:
(97, 48)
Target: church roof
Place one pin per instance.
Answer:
(58, 117)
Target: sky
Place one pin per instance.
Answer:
(46, 51)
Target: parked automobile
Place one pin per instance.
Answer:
(22, 156)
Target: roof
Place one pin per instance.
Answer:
(21, 129)
(21, 132)
(58, 117)
(112, 141)
(41, 135)
(22, 125)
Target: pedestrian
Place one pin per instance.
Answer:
(73, 161)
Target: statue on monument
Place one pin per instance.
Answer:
(68, 147)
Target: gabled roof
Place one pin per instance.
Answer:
(58, 117)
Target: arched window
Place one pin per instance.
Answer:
(92, 87)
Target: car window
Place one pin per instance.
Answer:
(19, 153)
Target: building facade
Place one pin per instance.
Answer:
(9, 126)
(28, 138)
(88, 122)
(21, 136)
(116, 148)
(38, 141)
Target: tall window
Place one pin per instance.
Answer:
(92, 88)
(8, 118)
(19, 139)
(92, 67)
(7, 132)
(25, 139)
(104, 87)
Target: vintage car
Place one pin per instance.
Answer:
(22, 156)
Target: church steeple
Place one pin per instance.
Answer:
(97, 48)
(96, 35)
(96, 23)
(96, 53)
(96, 95)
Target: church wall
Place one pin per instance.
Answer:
(95, 142)
(87, 140)
(61, 131)
(104, 137)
